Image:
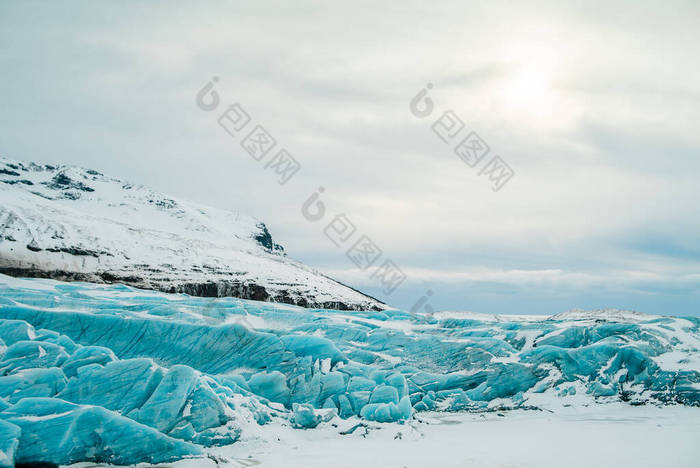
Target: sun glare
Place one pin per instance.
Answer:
(527, 90)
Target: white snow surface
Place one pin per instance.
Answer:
(611, 435)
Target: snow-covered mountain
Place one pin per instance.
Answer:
(70, 223)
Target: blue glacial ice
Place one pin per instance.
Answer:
(114, 374)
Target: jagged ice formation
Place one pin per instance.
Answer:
(109, 373)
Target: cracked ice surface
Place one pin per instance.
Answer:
(114, 374)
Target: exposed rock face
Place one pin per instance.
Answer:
(74, 224)
(265, 239)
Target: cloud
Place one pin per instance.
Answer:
(596, 111)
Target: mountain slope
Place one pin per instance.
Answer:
(69, 223)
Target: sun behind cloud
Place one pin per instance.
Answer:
(527, 90)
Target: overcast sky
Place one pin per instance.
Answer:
(595, 108)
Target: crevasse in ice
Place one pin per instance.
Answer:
(113, 374)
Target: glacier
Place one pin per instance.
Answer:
(114, 374)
